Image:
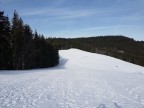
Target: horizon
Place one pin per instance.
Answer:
(74, 19)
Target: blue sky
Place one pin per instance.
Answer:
(80, 18)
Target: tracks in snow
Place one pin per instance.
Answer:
(73, 84)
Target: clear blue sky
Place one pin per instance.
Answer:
(80, 18)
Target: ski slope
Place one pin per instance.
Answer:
(81, 80)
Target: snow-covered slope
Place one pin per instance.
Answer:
(82, 80)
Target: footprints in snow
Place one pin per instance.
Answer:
(104, 106)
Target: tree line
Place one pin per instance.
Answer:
(118, 46)
(20, 48)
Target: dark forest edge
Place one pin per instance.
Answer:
(118, 46)
(20, 48)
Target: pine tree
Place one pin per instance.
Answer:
(28, 36)
(5, 42)
(18, 41)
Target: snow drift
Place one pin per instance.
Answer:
(81, 80)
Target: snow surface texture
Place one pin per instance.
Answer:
(82, 80)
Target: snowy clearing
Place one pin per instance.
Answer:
(82, 80)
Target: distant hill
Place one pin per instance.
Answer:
(120, 47)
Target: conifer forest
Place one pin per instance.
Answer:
(20, 48)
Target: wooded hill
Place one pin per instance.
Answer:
(120, 47)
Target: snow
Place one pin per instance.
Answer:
(81, 80)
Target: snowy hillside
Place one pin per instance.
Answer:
(82, 80)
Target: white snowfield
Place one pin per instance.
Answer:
(82, 80)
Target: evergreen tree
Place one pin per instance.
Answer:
(18, 41)
(28, 36)
(5, 42)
